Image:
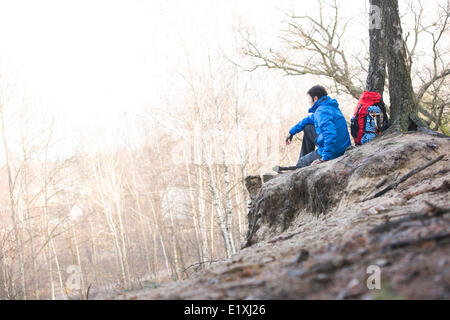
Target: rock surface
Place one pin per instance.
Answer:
(341, 183)
(315, 233)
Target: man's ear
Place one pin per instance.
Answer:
(316, 99)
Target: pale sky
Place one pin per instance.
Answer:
(91, 56)
(92, 61)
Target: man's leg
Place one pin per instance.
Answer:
(308, 146)
(308, 159)
(309, 140)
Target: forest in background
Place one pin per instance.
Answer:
(172, 198)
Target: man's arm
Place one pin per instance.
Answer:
(299, 126)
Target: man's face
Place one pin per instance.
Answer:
(312, 100)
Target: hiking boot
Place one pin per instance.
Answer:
(279, 169)
(276, 169)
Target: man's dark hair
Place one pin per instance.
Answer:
(317, 91)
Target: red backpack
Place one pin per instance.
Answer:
(358, 121)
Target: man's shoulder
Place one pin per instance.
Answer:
(324, 109)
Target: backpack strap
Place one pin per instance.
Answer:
(374, 117)
(382, 107)
(357, 111)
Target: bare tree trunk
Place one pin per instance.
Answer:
(194, 214)
(180, 249)
(32, 250)
(6, 274)
(143, 219)
(404, 109)
(50, 247)
(112, 226)
(58, 269)
(211, 223)
(78, 258)
(174, 245)
(217, 205)
(143, 222)
(202, 214)
(11, 184)
(122, 238)
(219, 210)
(155, 256)
(161, 240)
(48, 252)
(28, 217)
(377, 66)
(169, 208)
(242, 206)
(226, 179)
(50, 273)
(94, 250)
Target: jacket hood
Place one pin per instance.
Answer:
(324, 101)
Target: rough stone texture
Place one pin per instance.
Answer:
(253, 185)
(306, 248)
(336, 184)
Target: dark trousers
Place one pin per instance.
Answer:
(308, 153)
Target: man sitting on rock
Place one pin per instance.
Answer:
(325, 127)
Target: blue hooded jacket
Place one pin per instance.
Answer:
(331, 127)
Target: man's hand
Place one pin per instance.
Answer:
(289, 139)
(318, 161)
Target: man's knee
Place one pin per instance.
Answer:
(308, 159)
(301, 163)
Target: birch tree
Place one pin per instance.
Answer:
(108, 186)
